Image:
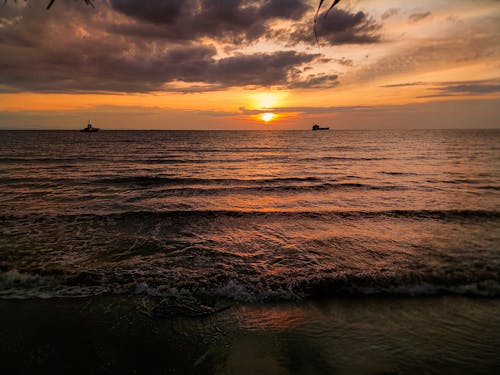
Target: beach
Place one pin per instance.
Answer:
(373, 335)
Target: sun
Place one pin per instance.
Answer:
(266, 117)
(263, 103)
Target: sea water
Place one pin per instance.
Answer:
(249, 216)
(250, 252)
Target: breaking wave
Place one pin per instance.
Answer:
(20, 285)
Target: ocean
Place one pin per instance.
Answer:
(229, 224)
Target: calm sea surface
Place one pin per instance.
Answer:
(249, 216)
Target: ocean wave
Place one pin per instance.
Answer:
(399, 173)
(194, 186)
(192, 157)
(165, 180)
(341, 158)
(488, 187)
(290, 188)
(320, 214)
(20, 285)
(49, 160)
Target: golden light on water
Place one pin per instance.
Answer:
(266, 117)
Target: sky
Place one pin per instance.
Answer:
(249, 64)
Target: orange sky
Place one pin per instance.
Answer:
(379, 64)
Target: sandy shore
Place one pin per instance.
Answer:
(453, 335)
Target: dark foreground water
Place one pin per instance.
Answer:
(349, 336)
(196, 224)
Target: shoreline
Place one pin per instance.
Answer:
(366, 335)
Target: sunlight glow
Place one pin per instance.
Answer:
(268, 116)
(265, 100)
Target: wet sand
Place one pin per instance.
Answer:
(379, 335)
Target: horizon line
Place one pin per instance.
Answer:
(267, 129)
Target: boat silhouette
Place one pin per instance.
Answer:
(89, 129)
(317, 127)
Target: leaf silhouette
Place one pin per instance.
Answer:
(315, 21)
(335, 2)
(88, 2)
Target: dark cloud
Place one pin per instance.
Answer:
(86, 58)
(162, 12)
(106, 66)
(258, 69)
(344, 61)
(405, 84)
(339, 27)
(487, 87)
(316, 81)
(175, 45)
(470, 88)
(416, 17)
(232, 21)
(390, 13)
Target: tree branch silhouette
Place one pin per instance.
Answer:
(335, 2)
(88, 2)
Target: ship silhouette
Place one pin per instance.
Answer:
(89, 129)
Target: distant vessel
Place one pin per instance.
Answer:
(89, 129)
(317, 127)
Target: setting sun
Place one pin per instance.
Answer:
(268, 116)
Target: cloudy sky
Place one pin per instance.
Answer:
(250, 64)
